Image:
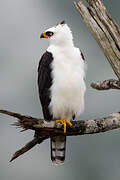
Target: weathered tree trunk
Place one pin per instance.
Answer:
(104, 29)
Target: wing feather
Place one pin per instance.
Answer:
(45, 82)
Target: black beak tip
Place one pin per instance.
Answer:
(41, 36)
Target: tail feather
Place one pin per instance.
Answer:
(58, 148)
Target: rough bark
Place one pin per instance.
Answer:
(107, 84)
(44, 130)
(104, 29)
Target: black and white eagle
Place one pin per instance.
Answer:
(61, 85)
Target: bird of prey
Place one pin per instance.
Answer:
(61, 85)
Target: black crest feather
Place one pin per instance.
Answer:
(63, 22)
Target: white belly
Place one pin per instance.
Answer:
(68, 88)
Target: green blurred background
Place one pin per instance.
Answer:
(90, 157)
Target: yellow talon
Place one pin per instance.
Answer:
(64, 121)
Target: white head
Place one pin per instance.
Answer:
(59, 34)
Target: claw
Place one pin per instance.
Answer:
(64, 121)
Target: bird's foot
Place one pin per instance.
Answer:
(64, 121)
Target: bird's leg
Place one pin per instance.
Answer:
(64, 121)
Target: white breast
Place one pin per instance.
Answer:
(68, 88)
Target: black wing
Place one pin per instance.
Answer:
(45, 82)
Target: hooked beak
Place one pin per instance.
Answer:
(44, 35)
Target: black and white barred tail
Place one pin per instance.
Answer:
(58, 148)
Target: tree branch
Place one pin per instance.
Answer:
(26, 148)
(44, 130)
(80, 127)
(106, 85)
(104, 29)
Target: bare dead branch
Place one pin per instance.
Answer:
(81, 127)
(26, 148)
(106, 85)
(44, 130)
(30, 120)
